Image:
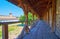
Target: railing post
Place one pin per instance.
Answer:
(5, 31)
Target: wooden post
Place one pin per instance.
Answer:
(26, 21)
(26, 14)
(36, 16)
(41, 16)
(45, 17)
(53, 14)
(48, 17)
(5, 31)
(33, 16)
(25, 8)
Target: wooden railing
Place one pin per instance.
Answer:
(5, 28)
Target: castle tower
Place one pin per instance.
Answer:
(10, 14)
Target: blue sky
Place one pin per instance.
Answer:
(7, 7)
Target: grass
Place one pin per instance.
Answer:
(0, 33)
(10, 28)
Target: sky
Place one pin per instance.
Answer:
(7, 7)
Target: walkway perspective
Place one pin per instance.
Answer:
(40, 30)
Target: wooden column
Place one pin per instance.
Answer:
(33, 16)
(53, 14)
(26, 20)
(45, 17)
(48, 17)
(5, 31)
(26, 14)
(36, 16)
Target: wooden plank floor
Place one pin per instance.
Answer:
(40, 31)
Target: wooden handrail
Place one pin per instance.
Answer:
(5, 28)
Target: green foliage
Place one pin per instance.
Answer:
(0, 33)
(35, 17)
(12, 28)
(22, 18)
(30, 18)
(0, 24)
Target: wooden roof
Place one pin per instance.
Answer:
(39, 6)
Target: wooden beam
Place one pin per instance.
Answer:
(13, 1)
(5, 31)
(41, 3)
(53, 15)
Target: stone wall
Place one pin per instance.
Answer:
(57, 31)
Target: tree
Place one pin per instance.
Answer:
(30, 18)
(22, 18)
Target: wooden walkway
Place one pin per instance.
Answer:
(40, 31)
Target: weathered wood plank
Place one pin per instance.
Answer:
(5, 31)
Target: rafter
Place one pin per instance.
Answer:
(36, 6)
